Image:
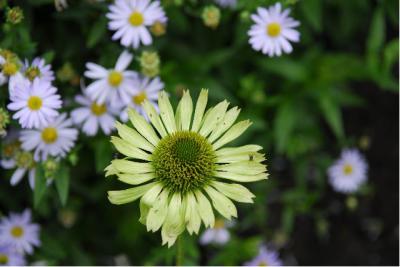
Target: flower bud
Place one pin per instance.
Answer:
(211, 16)
(150, 63)
(14, 15)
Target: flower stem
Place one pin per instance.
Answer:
(179, 251)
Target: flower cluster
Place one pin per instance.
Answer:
(18, 236)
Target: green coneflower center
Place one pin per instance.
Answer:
(3, 259)
(136, 19)
(32, 72)
(273, 29)
(17, 231)
(347, 169)
(184, 161)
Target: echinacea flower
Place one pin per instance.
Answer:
(349, 172)
(145, 89)
(272, 31)
(10, 257)
(131, 19)
(37, 69)
(36, 104)
(177, 164)
(55, 139)
(18, 231)
(219, 234)
(265, 257)
(113, 86)
(93, 116)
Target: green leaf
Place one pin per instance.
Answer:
(49, 56)
(284, 124)
(377, 29)
(62, 183)
(103, 154)
(331, 111)
(97, 32)
(40, 186)
(312, 10)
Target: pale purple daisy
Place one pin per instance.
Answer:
(219, 234)
(113, 86)
(144, 89)
(131, 19)
(226, 3)
(93, 116)
(265, 257)
(19, 232)
(272, 31)
(35, 104)
(10, 257)
(349, 172)
(37, 69)
(55, 139)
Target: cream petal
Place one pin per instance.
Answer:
(199, 110)
(158, 212)
(212, 118)
(185, 112)
(205, 209)
(236, 192)
(221, 203)
(135, 179)
(174, 223)
(154, 118)
(241, 177)
(243, 167)
(228, 151)
(166, 112)
(232, 133)
(252, 156)
(128, 195)
(126, 166)
(229, 118)
(192, 217)
(132, 136)
(141, 125)
(128, 149)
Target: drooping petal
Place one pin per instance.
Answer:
(205, 209)
(221, 203)
(158, 212)
(128, 195)
(192, 217)
(236, 192)
(174, 223)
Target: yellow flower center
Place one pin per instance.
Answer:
(139, 98)
(347, 169)
(17, 231)
(115, 78)
(32, 72)
(49, 135)
(273, 29)
(262, 263)
(136, 19)
(98, 110)
(34, 102)
(3, 259)
(219, 224)
(10, 68)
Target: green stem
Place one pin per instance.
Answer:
(179, 251)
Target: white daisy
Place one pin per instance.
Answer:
(219, 234)
(93, 115)
(145, 89)
(272, 31)
(348, 172)
(55, 139)
(131, 19)
(18, 231)
(35, 104)
(114, 85)
(37, 69)
(226, 3)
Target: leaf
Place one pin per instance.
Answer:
(103, 154)
(331, 111)
(62, 184)
(312, 10)
(284, 124)
(377, 29)
(97, 32)
(40, 186)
